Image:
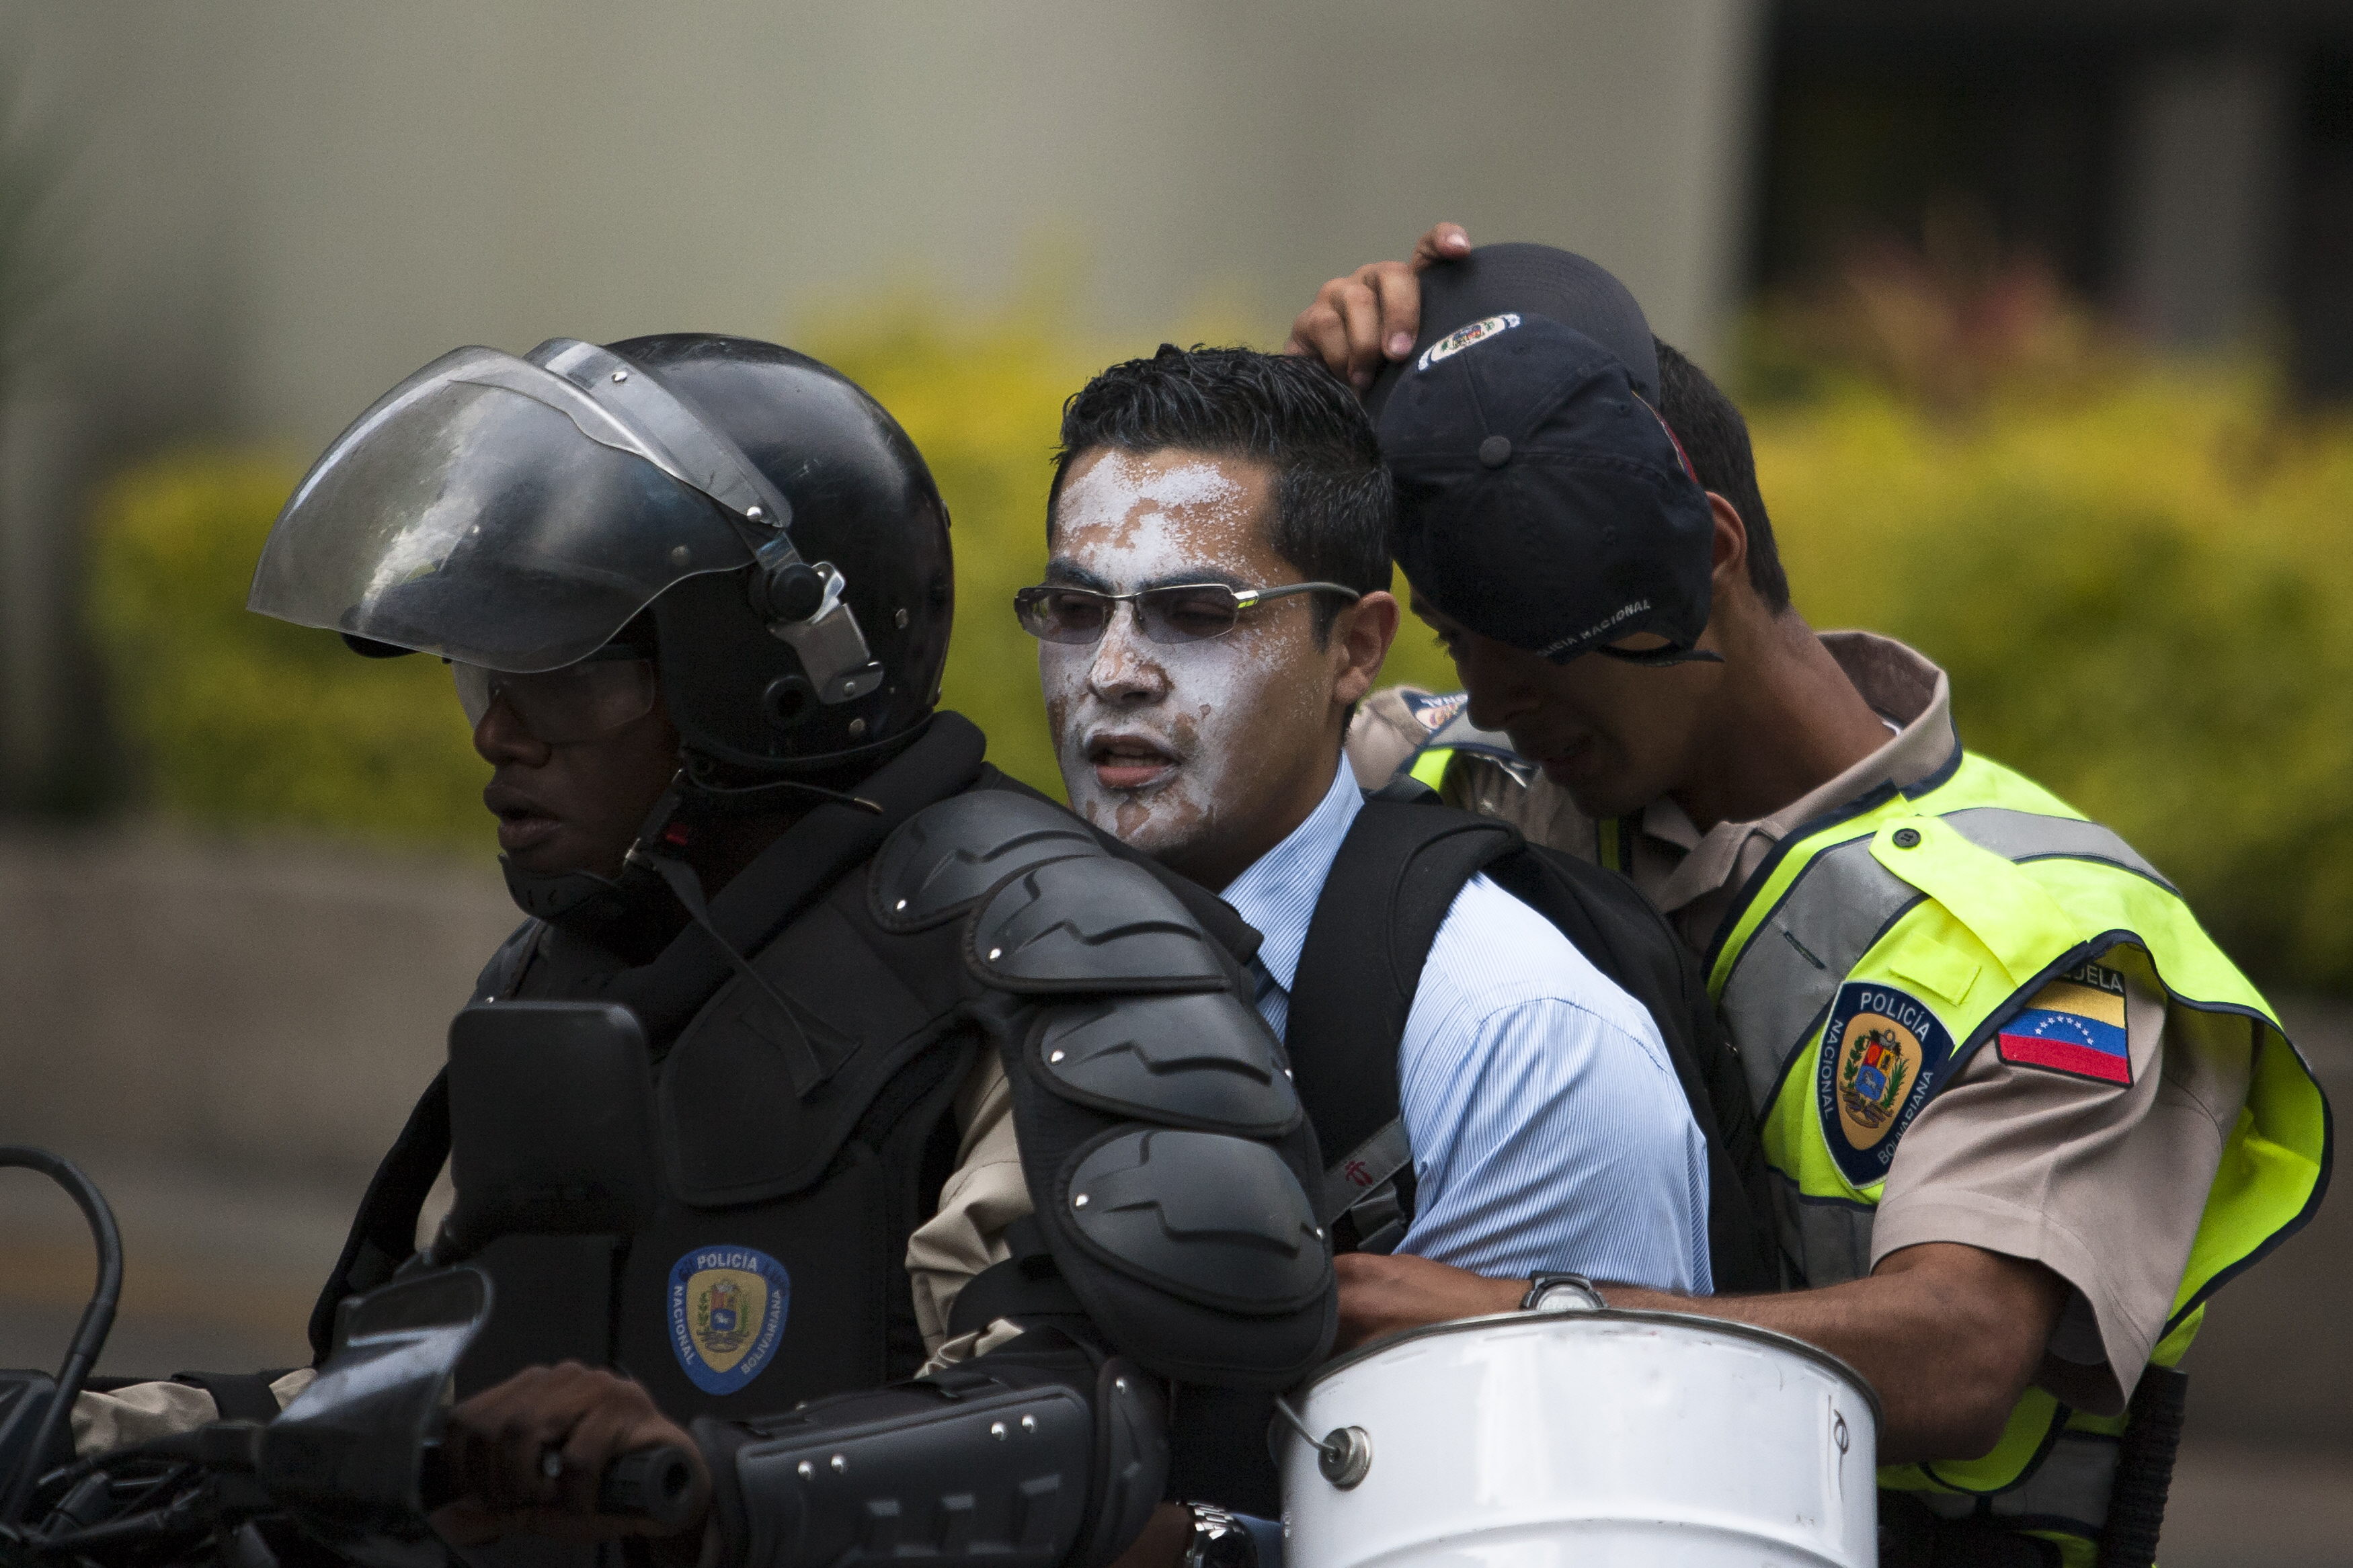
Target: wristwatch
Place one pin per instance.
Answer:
(1558, 1292)
(1220, 1540)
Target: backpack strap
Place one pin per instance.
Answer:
(1396, 874)
(1606, 918)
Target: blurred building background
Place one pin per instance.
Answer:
(2044, 312)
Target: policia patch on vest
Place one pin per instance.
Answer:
(2075, 1026)
(727, 1307)
(1881, 1053)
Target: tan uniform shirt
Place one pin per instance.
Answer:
(986, 1192)
(2101, 1183)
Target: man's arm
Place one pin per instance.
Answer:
(1949, 1335)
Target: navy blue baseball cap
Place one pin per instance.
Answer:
(1542, 500)
(1535, 280)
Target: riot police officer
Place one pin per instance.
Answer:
(696, 593)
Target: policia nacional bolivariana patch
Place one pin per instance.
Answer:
(1882, 1052)
(727, 1309)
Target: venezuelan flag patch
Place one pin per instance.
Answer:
(2076, 1026)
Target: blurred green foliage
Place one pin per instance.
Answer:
(2138, 578)
(2142, 598)
(244, 721)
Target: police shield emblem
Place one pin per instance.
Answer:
(1882, 1052)
(727, 1308)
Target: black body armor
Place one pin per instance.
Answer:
(804, 1122)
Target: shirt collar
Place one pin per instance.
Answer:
(1277, 894)
(1902, 686)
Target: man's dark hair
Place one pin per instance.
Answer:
(1716, 438)
(1333, 498)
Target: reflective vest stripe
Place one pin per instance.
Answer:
(1429, 765)
(1967, 895)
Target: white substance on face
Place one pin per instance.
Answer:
(1118, 484)
(1131, 522)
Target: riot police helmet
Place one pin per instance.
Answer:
(771, 521)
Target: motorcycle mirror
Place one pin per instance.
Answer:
(342, 1456)
(551, 1123)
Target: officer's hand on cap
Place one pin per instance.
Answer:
(527, 1456)
(1359, 322)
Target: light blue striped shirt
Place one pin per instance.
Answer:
(1549, 1128)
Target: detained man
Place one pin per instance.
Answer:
(1214, 607)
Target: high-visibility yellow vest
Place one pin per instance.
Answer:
(1928, 918)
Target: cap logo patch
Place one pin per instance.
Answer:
(727, 1308)
(2075, 1026)
(1462, 337)
(1881, 1053)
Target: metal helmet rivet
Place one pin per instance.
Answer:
(901, 619)
(995, 954)
(996, 1430)
(620, 376)
(1029, 1424)
(857, 728)
(1055, 1055)
(1080, 1202)
(840, 1465)
(754, 513)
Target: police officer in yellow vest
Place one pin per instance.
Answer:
(2023, 1117)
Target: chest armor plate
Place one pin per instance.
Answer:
(796, 1135)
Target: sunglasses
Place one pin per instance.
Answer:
(1185, 612)
(609, 689)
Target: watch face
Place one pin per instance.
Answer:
(1563, 1293)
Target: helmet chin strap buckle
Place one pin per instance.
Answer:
(825, 636)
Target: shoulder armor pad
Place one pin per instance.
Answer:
(939, 862)
(1208, 1218)
(1201, 1059)
(1090, 926)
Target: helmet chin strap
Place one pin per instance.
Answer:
(706, 796)
(607, 910)
(656, 872)
(602, 908)
(659, 891)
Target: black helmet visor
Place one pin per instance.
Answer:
(512, 513)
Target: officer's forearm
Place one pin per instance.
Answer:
(1949, 1336)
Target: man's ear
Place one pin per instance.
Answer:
(1362, 633)
(1729, 564)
